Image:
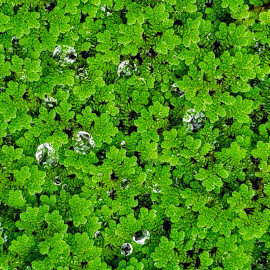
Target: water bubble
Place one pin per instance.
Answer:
(64, 55)
(101, 154)
(84, 142)
(57, 180)
(142, 80)
(115, 215)
(82, 73)
(152, 53)
(105, 9)
(194, 120)
(177, 181)
(99, 239)
(126, 69)
(111, 193)
(124, 184)
(177, 90)
(23, 77)
(49, 102)
(126, 249)
(98, 235)
(5, 237)
(14, 40)
(141, 236)
(46, 155)
(8, 140)
(156, 188)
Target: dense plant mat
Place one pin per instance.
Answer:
(134, 134)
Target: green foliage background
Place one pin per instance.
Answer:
(211, 210)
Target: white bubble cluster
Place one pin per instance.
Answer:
(49, 102)
(141, 236)
(46, 156)
(260, 48)
(84, 142)
(126, 68)
(64, 55)
(104, 10)
(194, 120)
(126, 249)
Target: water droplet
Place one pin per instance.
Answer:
(14, 40)
(141, 236)
(142, 80)
(5, 237)
(23, 77)
(177, 90)
(46, 155)
(111, 193)
(124, 184)
(194, 120)
(84, 142)
(156, 188)
(57, 180)
(126, 249)
(64, 55)
(49, 102)
(177, 181)
(99, 239)
(126, 69)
